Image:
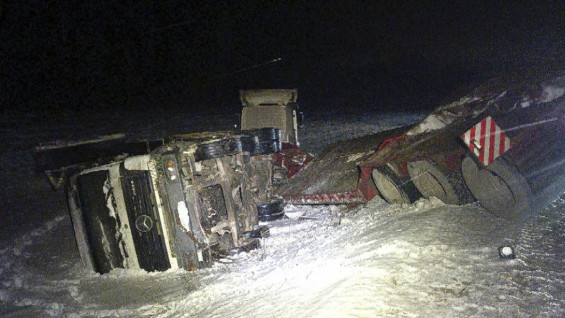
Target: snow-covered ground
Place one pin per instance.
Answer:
(427, 259)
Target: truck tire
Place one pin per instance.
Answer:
(391, 187)
(264, 134)
(500, 188)
(235, 145)
(267, 147)
(267, 134)
(250, 144)
(272, 210)
(431, 181)
(210, 150)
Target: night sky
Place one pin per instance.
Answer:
(68, 56)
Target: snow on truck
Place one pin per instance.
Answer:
(181, 202)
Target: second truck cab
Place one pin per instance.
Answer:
(276, 108)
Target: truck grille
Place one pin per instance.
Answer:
(145, 227)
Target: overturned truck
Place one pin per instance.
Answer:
(182, 205)
(177, 203)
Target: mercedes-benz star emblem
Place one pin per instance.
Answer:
(143, 223)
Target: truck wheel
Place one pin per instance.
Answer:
(267, 134)
(264, 134)
(267, 147)
(431, 181)
(235, 145)
(250, 144)
(272, 210)
(500, 188)
(392, 188)
(210, 150)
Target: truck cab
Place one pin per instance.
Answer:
(276, 108)
(181, 206)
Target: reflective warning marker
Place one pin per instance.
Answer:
(487, 140)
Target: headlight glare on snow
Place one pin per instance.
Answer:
(506, 252)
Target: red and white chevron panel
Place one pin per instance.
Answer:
(487, 140)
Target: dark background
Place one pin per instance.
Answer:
(63, 58)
